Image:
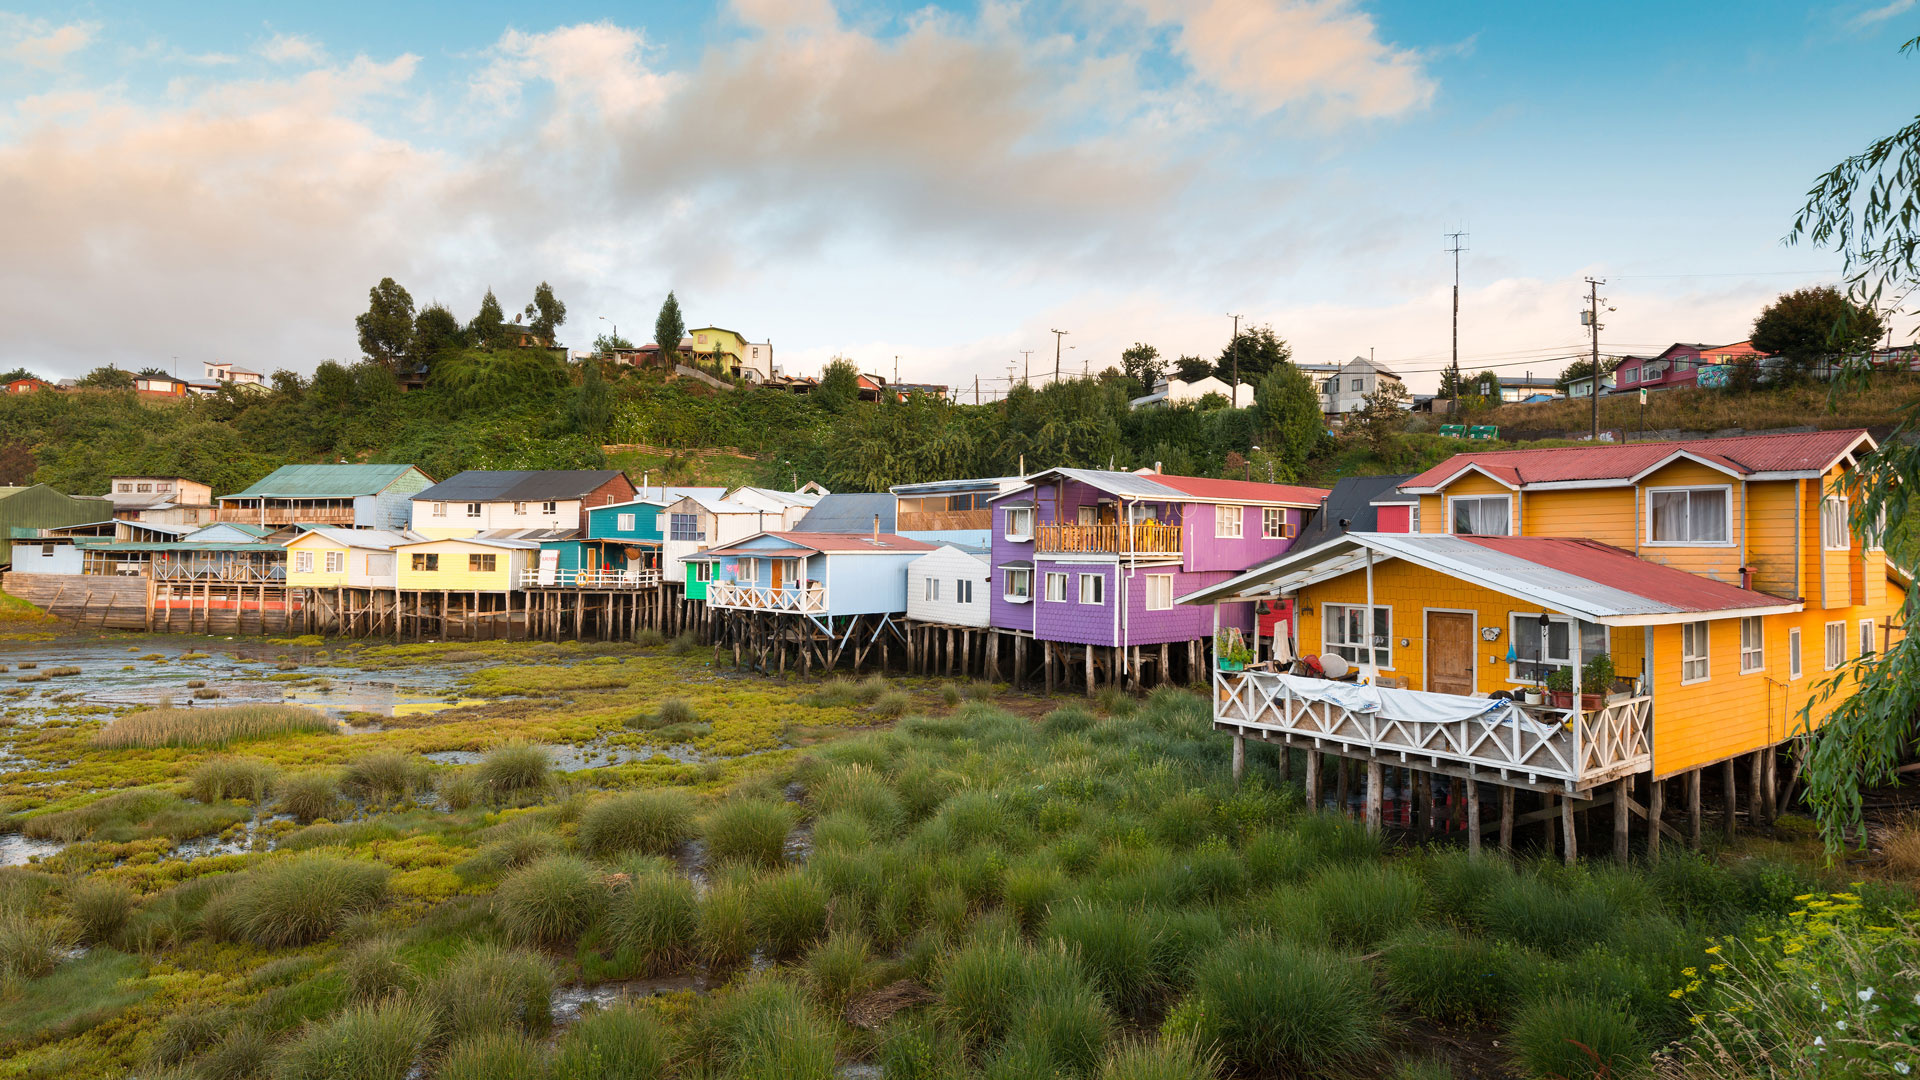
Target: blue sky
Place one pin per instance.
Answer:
(941, 183)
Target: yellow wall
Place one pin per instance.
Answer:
(318, 578)
(1603, 514)
(453, 573)
(1770, 537)
(1722, 563)
(1433, 508)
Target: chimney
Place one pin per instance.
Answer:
(1746, 577)
(1156, 468)
(876, 528)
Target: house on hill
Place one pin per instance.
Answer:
(1170, 390)
(351, 496)
(481, 500)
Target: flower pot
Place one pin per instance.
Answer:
(1590, 702)
(1560, 699)
(1233, 665)
(1532, 697)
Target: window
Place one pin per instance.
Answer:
(1159, 592)
(1487, 515)
(1836, 644)
(1753, 653)
(1833, 524)
(684, 527)
(163, 487)
(519, 508)
(46, 551)
(126, 489)
(473, 510)
(1019, 522)
(1056, 587)
(703, 571)
(480, 564)
(427, 562)
(1867, 636)
(963, 590)
(1019, 585)
(624, 522)
(439, 509)
(932, 589)
(1274, 524)
(1344, 631)
(1537, 652)
(1793, 653)
(1413, 518)
(143, 488)
(1085, 515)
(1354, 385)
(1229, 521)
(1693, 653)
(336, 561)
(549, 507)
(1689, 516)
(303, 562)
(1093, 588)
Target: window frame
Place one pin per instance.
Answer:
(1154, 582)
(1704, 657)
(476, 565)
(1046, 586)
(1844, 525)
(519, 509)
(1224, 514)
(692, 534)
(963, 591)
(1024, 576)
(1841, 627)
(473, 509)
(1098, 582)
(1795, 659)
(550, 508)
(1758, 650)
(1573, 625)
(439, 510)
(1329, 644)
(1726, 491)
(1454, 499)
(1285, 531)
(931, 590)
(303, 562)
(1868, 641)
(1019, 524)
(425, 562)
(703, 571)
(628, 522)
(336, 562)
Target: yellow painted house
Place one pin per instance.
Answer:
(1725, 579)
(329, 558)
(741, 358)
(466, 564)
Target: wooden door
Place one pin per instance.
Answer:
(779, 573)
(1450, 652)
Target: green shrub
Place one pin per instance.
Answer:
(1164, 1059)
(653, 922)
(1578, 1038)
(186, 1033)
(1694, 886)
(621, 1043)
(1061, 1019)
(458, 788)
(842, 831)
(860, 790)
(979, 985)
(386, 776)
(683, 643)
(498, 1055)
(1447, 975)
(765, 1032)
(379, 1041)
(549, 901)
(789, 913)
(222, 778)
(1030, 893)
(1330, 837)
(653, 822)
(375, 969)
(1066, 720)
(1215, 872)
(748, 830)
(916, 1048)
(1532, 911)
(99, 909)
(892, 704)
(1273, 1007)
(515, 769)
(513, 845)
(487, 985)
(243, 1053)
(303, 899)
(838, 969)
(1360, 905)
(1458, 884)
(725, 933)
(309, 796)
(1115, 946)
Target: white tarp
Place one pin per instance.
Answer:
(1418, 706)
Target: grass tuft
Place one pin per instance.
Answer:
(209, 727)
(514, 769)
(380, 1041)
(1274, 1007)
(892, 704)
(551, 900)
(652, 822)
(385, 777)
(653, 922)
(375, 969)
(789, 913)
(458, 788)
(310, 796)
(1448, 976)
(99, 909)
(1532, 911)
(486, 986)
(676, 710)
(748, 830)
(621, 1043)
(303, 899)
(1361, 904)
(222, 778)
(1578, 1039)
(494, 1055)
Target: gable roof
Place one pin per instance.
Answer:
(850, 513)
(664, 494)
(1585, 578)
(1742, 455)
(325, 481)
(1163, 487)
(862, 543)
(517, 485)
(372, 539)
(1349, 507)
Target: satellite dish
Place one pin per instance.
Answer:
(1334, 665)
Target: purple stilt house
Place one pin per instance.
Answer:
(1088, 562)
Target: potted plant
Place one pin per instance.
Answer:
(1533, 695)
(1230, 651)
(1596, 681)
(1560, 687)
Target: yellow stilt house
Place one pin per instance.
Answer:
(1723, 581)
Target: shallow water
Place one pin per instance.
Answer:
(18, 850)
(571, 1000)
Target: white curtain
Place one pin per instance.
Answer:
(1480, 517)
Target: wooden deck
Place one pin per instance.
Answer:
(1145, 538)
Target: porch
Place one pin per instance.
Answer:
(1143, 538)
(635, 578)
(807, 598)
(1558, 751)
(278, 512)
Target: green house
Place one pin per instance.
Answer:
(41, 507)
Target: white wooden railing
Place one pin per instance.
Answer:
(1568, 748)
(589, 579)
(808, 598)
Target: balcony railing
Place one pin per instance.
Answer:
(286, 515)
(1568, 749)
(589, 579)
(808, 598)
(1143, 538)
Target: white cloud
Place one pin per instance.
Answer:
(293, 49)
(1873, 16)
(39, 44)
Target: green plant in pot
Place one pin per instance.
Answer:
(1230, 651)
(1560, 687)
(1596, 680)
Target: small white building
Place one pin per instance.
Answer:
(949, 586)
(1172, 391)
(220, 372)
(160, 500)
(698, 521)
(1346, 390)
(46, 555)
(351, 558)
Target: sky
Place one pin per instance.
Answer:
(932, 186)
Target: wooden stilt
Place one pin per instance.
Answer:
(1567, 827)
(1376, 792)
(1622, 817)
(1693, 809)
(1731, 794)
(1286, 763)
(1313, 778)
(1160, 673)
(1473, 818)
(1342, 786)
(1756, 773)
(1046, 662)
(1088, 649)
(1422, 804)
(1506, 820)
(1769, 784)
(1656, 807)
(1550, 827)
(1239, 756)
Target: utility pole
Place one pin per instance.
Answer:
(1026, 367)
(1233, 347)
(1057, 335)
(976, 389)
(1454, 247)
(896, 373)
(1593, 326)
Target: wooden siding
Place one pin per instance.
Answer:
(1603, 514)
(947, 566)
(1719, 562)
(1433, 508)
(1770, 525)
(453, 573)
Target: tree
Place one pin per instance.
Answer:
(592, 401)
(669, 327)
(607, 343)
(1868, 208)
(386, 326)
(1382, 415)
(435, 330)
(108, 378)
(1257, 351)
(1581, 369)
(488, 330)
(1814, 328)
(546, 313)
(839, 381)
(1192, 368)
(1142, 364)
(1291, 424)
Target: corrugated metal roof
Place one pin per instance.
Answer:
(1163, 487)
(846, 513)
(661, 493)
(517, 485)
(861, 543)
(324, 481)
(1811, 451)
(375, 539)
(1348, 508)
(936, 487)
(181, 546)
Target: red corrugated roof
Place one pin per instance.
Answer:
(1789, 452)
(833, 541)
(1241, 490)
(1616, 568)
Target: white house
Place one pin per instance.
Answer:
(160, 500)
(1173, 391)
(1346, 390)
(486, 500)
(353, 558)
(949, 586)
(220, 372)
(697, 522)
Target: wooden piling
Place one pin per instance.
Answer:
(1473, 818)
(1622, 817)
(1239, 756)
(1731, 794)
(1376, 792)
(1567, 827)
(1656, 808)
(1506, 819)
(1313, 778)
(1693, 809)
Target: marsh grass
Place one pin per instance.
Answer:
(1275, 1007)
(725, 934)
(748, 830)
(653, 922)
(123, 816)
(309, 796)
(763, 1030)
(458, 788)
(1115, 946)
(99, 909)
(30, 945)
(303, 899)
(496, 1055)
(1449, 976)
(1360, 905)
(1533, 911)
(551, 900)
(1578, 1038)
(377, 968)
(485, 986)
(515, 769)
(222, 778)
(789, 913)
(676, 710)
(384, 777)
(379, 1041)
(216, 726)
(1167, 1059)
(621, 1043)
(652, 822)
